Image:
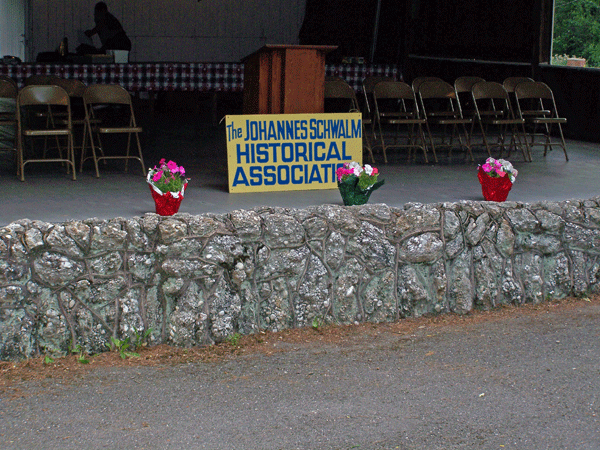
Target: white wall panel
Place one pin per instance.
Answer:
(12, 28)
(169, 30)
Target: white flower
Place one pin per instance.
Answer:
(356, 168)
(368, 169)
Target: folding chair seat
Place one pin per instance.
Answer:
(540, 112)
(109, 110)
(51, 98)
(494, 114)
(8, 114)
(398, 118)
(441, 110)
(345, 99)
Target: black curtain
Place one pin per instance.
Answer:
(502, 31)
(346, 23)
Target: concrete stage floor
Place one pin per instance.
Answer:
(49, 194)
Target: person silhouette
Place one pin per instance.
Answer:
(109, 30)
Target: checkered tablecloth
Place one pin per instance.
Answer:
(176, 76)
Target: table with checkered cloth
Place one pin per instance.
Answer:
(138, 77)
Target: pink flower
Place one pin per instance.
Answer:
(343, 171)
(172, 166)
(487, 167)
(500, 172)
(375, 171)
(182, 171)
(162, 161)
(157, 176)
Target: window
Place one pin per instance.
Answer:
(576, 36)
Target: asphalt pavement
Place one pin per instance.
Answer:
(527, 380)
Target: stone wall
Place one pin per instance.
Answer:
(197, 279)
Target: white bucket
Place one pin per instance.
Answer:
(121, 56)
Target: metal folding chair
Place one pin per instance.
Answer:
(367, 90)
(495, 115)
(51, 98)
(536, 106)
(398, 119)
(115, 117)
(339, 90)
(8, 114)
(441, 110)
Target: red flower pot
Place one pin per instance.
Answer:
(166, 203)
(494, 189)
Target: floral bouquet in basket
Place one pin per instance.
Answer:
(496, 177)
(167, 184)
(356, 183)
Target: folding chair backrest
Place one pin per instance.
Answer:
(420, 80)
(465, 84)
(8, 80)
(339, 89)
(8, 89)
(106, 93)
(511, 83)
(40, 80)
(533, 89)
(393, 90)
(43, 95)
(369, 82)
(74, 88)
(488, 89)
(436, 89)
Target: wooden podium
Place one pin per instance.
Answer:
(285, 79)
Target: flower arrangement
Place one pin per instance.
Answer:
(496, 177)
(367, 175)
(167, 184)
(356, 183)
(168, 177)
(497, 168)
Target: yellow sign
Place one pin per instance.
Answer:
(290, 152)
